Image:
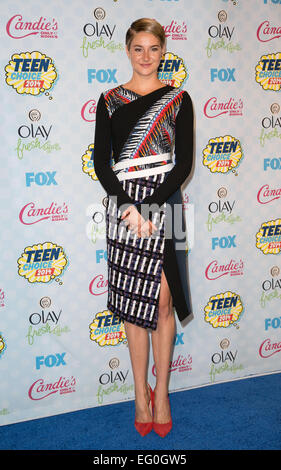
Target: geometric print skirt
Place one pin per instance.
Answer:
(135, 263)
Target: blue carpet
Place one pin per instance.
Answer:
(239, 415)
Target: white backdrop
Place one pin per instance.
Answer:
(60, 349)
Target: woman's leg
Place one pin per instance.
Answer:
(162, 344)
(138, 341)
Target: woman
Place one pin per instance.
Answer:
(140, 122)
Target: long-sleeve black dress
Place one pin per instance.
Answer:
(133, 126)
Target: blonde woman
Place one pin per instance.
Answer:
(141, 124)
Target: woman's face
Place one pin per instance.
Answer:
(145, 53)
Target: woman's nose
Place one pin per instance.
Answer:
(146, 54)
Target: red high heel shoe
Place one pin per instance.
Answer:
(145, 428)
(163, 429)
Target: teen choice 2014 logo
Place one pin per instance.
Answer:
(223, 310)
(107, 329)
(268, 238)
(31, 73)
(3, 345)
(87, 162)
(222, 154)
(172, 70)
(42, 262)
(268, 72)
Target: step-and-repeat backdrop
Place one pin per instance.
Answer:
(60, 348)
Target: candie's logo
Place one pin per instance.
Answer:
(41, 389)
(31, 73)
(175, 30)
(222, 154)
(223, 310)
(42, 263)
(266, 32)
(107, 329)
(215, 107)
(88, 111)
(269, 348)
(172, 70)
(18, 28)
(268, 238)
(32, 214)
(268, 72)
(87, 162)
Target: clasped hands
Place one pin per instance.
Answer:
(136, 223)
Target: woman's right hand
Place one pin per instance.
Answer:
(136, 223)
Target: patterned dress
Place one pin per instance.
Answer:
(158, 128)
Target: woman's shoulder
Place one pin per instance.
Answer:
(113, 98)
(111, 91)
(177, 91)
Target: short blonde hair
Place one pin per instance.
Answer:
(147, 25)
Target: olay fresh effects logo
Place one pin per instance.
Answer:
(19, 27)
(271, 125)
(112, 381)
(113, 375)
(172, 70)
(33, 136)
(220, 211)
(215, 107)
(223, 310)
(42, 389)
(107, 329)
(31, 213)
(220, 36)
(271, 288)
(222, 154)
(268, 348)
(176, 30)
(96, 230)
(266, 32)
(45, 321)
(268, 238)
(99, 34)
(224, 361)
(268, 71)
(31, 73)
(43, 262)
(98, 30)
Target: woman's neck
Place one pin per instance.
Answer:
(143, 85)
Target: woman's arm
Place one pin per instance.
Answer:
(102, 156)
(183, 157)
